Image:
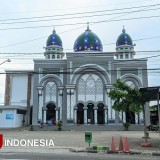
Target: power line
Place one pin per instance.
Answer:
(144, 51)
(73, 8)
(86, 16)
(69, 72)
(80, 13)
(80, 23)
(47, 36)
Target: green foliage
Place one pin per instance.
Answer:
(126, 125)
(59, 124)
(126, 98)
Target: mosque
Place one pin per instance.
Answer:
(73, 87)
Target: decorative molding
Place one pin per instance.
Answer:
(40, 90)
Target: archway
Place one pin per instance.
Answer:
(51, 112)
(100, 113)
(80, 113)
(90, 113)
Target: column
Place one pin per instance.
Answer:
(123, 55)
(147, 114)
(44, 115)
(136, 118)
(60, 100)
(68, 104)
(116, 117)
(106, 115)
(109, 106)
(85, 114)
(7, 90)
(124, 117)
(57, 116)
(95, 114)
(40, 103)
(75, 115)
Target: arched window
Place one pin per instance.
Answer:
(90, 87)
(51, 91)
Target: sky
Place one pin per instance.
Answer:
(16, 16)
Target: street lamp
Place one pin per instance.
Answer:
(8, 60)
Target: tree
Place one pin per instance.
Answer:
(127, 98)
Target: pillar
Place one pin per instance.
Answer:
(136, 118)
(106, 115)
(57, 116)
(44, 115)
(75, 115)
(124, 117)
(85, 114)
(116, 117)
(95, 114)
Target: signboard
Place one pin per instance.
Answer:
(9, 116)
(88, 137)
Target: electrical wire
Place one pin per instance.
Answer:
(80, 23)
(81, 13)
(73, 8)
(86, 16)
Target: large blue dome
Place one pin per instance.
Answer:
(54, 39)
(88, 41)
(124, 39)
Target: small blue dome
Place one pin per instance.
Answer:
(124, 39)
(54, 39)
(88, 41)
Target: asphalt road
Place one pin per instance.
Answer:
(66, 155)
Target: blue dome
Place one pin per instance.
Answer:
(124, 39)
(88, 41)
(54, 39)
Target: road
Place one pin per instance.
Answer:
(75, 139)
(64, 154)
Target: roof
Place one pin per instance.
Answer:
(13, 107)
(151, 92)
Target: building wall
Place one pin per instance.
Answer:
(18, 90)
(15, 121)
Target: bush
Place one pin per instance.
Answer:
(126, 125)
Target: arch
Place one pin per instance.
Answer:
(100, 102)
(50, 91)
(90, 113)
(51, 112)
(80, 113)
(80, 102)
(100, 113)
(131, 77)
(51, 77)
(50, 102)
(90, 101)
(100, 71)
(90, 87)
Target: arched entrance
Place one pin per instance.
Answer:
(100, 113)
(80, 113)
(51, 112)
(90, 113)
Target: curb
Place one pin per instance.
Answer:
(116, 152)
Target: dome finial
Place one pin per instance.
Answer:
(123, 30)
(54, 31)
(88, 27)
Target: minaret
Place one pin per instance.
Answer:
(54, 49)
(124, 47)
